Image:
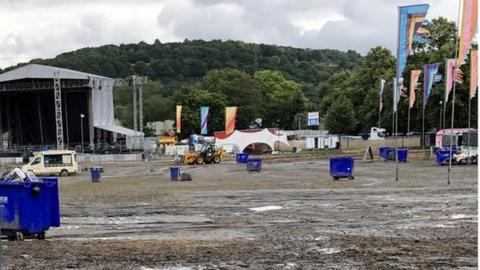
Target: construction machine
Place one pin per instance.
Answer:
(208, 153)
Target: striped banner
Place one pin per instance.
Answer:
(179, 118)
(230, 119)
(203, 120)
(449, 71)
(428, 80)
(414, 75)
(468, 28)
(410, 19)
(473, 73)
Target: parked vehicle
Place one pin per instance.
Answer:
(53, 162)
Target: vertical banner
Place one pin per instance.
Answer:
(473, 72)
(203, 120)
(382, 86)
(396, 94)
(313, 119)
(410, 20)
(230, 119)
(468, 28)
(179, 118)
(428, 79)
(449, 71)
(414, 75)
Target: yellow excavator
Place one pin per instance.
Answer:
(209, 153)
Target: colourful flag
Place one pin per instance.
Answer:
(423, 33)
(395, 95)
(459, 76)
(230, 119)
(449, 70)
(414, 75)
(468, 28)
(428, 79)
(179, 118)
(382, 86)
(203, 120)
(410, 19)
(473, 72)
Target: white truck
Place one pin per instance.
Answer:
(377, 133)
(53, 162)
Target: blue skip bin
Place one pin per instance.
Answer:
(174, 173)
(28, 209)
(341, 167)
(242, 158)
(382, 151)
(443, 156)
(96, 175)
(254, 165)
(402, 154)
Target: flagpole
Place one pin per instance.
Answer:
(379, 116)
(423, 127)
(469, 108)
(447, 71)
(408, 125)
(453, 95)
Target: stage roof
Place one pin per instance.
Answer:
(35, 71)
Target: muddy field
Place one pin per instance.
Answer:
(289, 216)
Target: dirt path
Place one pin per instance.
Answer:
(289, 216)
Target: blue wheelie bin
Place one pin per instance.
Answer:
(382, 151)
(443, 156)
(28, 209)
(341, 167)
(389, 154)
(254, 165)
(174, 173)
(95, 175)
(241, 158)
(402, 154)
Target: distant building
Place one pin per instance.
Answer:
(161, 128)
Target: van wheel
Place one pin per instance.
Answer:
(64, 173)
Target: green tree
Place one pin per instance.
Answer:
(340, 117)
(240, 90)
(192, 98)
(282, 98)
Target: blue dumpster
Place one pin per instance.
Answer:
(242, 158)
(443, 156)
(254, 165)
(95, 175)
(382, 151)
(341, 167)
(28, 209)
(402, 154)
(389, 154)
(174, 173)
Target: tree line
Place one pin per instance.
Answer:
(276, 83)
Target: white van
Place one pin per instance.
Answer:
(53, 162)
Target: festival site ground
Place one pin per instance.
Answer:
(289, 216)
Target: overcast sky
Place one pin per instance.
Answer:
(45, 28)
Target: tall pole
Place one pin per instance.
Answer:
(81, 129)
(453, 96)
(440, 118)
(135, 117)
(469, 107)
(408, 123)
(396, 137)
(379, 116)
(423, 132)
